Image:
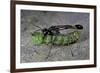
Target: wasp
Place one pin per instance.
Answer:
(52, 35)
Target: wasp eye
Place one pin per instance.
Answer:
(79, 26)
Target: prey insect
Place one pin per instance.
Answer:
(53, 36)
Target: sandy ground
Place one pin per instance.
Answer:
(33, 53)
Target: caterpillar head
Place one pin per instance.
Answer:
(80, 27)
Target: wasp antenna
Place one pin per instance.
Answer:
(37, 26)
(35, 31)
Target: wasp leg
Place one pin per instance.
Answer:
(49, 53)
(72, 52)
(79, 47)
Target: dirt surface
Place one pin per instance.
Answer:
(44, 19)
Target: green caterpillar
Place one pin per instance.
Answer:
(60, 39)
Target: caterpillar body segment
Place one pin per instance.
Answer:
(60, 39)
